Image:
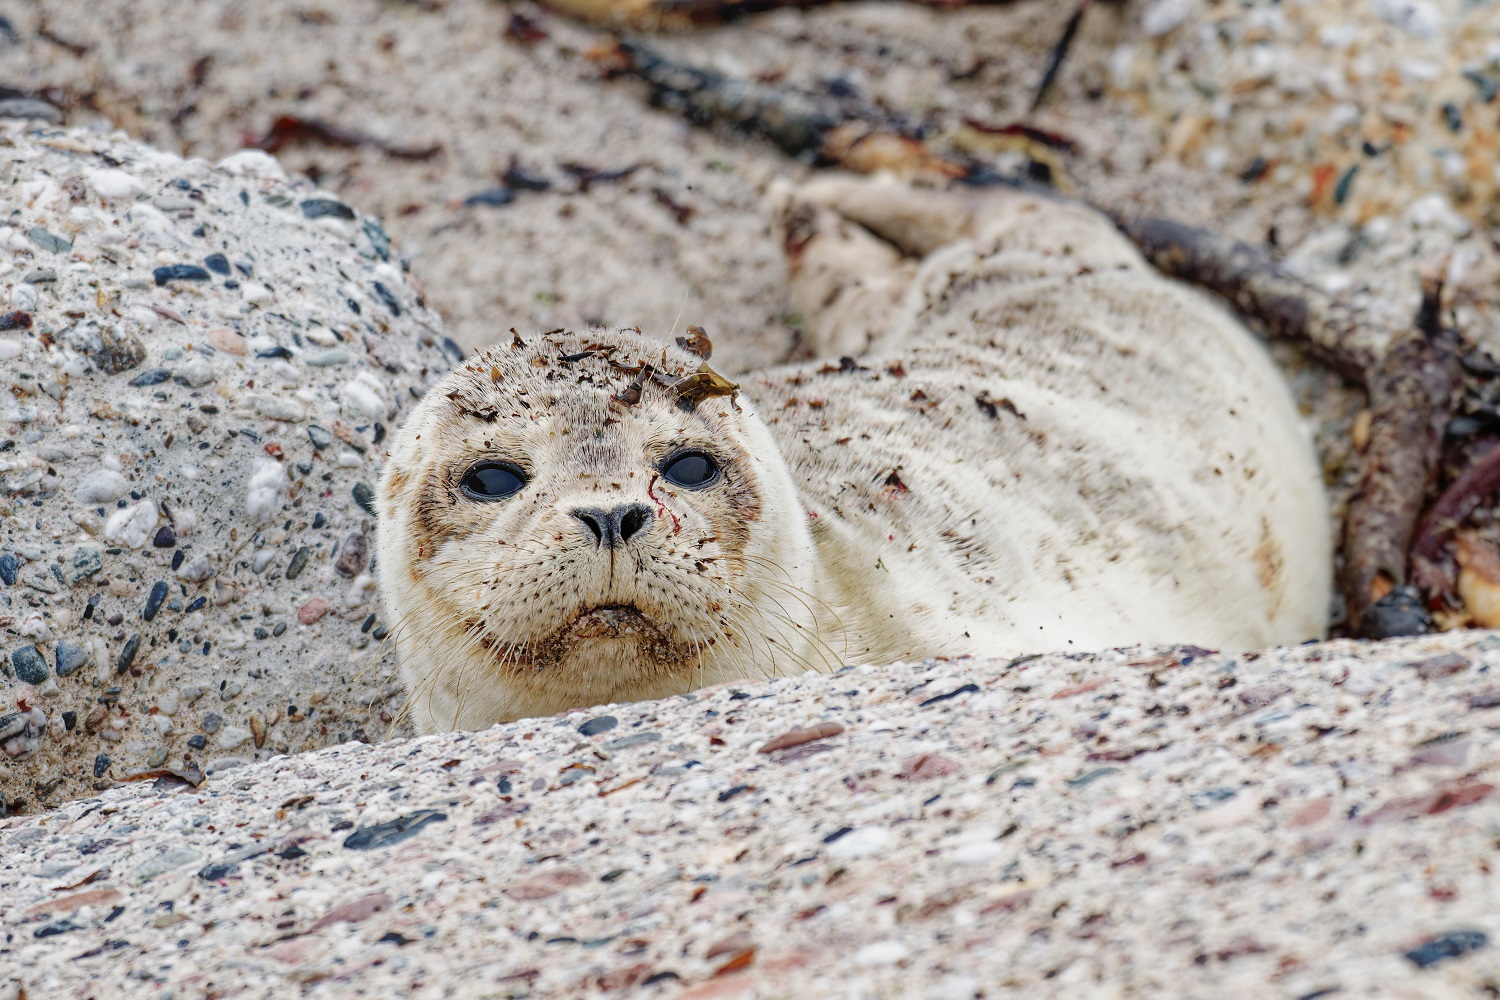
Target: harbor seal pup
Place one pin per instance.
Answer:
(1020, 439)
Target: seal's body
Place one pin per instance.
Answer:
(1033, 442)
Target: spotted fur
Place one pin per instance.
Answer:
(1041, 445)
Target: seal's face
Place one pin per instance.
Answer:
(581, 519)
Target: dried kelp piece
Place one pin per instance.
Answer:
(1413, 393)
(289, 129)
(696, 342)
(704, 384)
(1432, 566)
(1260, 288)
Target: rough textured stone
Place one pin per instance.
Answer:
(131, 460)
(1120, 824)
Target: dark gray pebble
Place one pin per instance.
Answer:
(1444, 946)
(214, 872)
(523, 180)
(179, 272)
(31, 666)
(318, 208)
(70, 657)
(377, 237)
(217, 263)
(55, 928)
(101, 764)
(127, 655)
(319, 437)
(388, 299)
(494, 197)
(165, 537)
(633, 740)
(197, 742)
(599, 724)
(1400, 612)
(393, 832)
(966, 689)
(211, 723)
(154, 599)
(151, 376)
(17, 320)
(298, 563)
(365, 497)
(8, 567)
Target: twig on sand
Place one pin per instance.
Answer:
(1414, 391)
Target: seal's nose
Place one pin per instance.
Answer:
(613, 528)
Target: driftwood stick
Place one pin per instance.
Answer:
(1413, 393)
(830, 131)
(1259, 287)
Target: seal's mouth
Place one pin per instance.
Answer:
(609, 621)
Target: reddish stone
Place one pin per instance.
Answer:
(546, 884)
(357, 911)
(927, 765)
(67, 904)
(797, 737)
(1078, 689)
(313, 610)
(625, 978)
(1311, 814)
(1442, 665)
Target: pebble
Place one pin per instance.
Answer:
(598, 724)
(1453, 944)
(29, 664)
(179, 272)
(393, 832)
(85, 561)
(69, 657)
(154, 600)
(318, 208)
(101, 486)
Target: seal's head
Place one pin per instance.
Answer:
(582, 518)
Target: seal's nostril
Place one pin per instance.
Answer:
(596, 520)
(613, 528)
(631, 520)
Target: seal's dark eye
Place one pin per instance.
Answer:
(492, 481)
(692, 470)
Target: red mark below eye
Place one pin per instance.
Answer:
(662, 508)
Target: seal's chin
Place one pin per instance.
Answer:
(614, 621)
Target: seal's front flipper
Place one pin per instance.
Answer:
(845, 280)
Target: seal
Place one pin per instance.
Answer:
(1028, 441)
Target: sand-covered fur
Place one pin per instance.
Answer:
(1042, 444)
